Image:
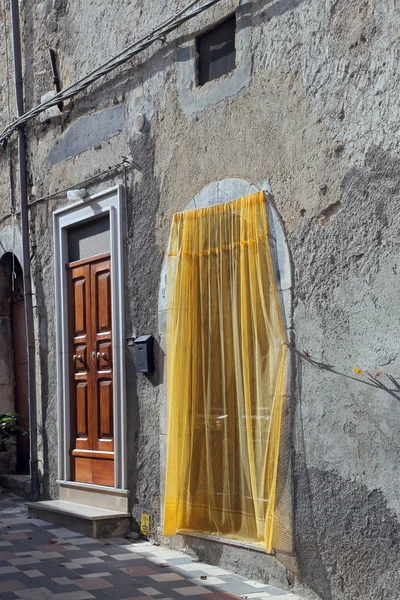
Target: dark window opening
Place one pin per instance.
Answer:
(216, 51)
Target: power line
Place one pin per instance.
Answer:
(157, 34)
(111, 171)
(123, 166)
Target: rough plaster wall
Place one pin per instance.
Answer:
(347, 441)
(320, 121)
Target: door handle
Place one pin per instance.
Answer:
(103, 355)
(93, 354)
(77, 358)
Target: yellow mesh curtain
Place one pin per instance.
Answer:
(225, 373)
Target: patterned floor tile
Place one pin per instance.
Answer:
(33, 573)
(62, 580)
(237, 587)
(138, 571)
(81, 595)
(93, 583)
(105, 574)
(221, 596)
(61, 532)
(254, 584)
(192, 590)
(127, 557)
(40, 523)
(8, 569)
(39, 561)
(11, 585)
(161, 577)
(207, 581)
(149, 591)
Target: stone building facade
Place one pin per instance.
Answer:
(309, 114)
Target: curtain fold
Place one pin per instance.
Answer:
(225, 373)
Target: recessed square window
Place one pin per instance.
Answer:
(216, 51)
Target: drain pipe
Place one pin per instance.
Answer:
(26, 266)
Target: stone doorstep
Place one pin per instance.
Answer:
(19, 484)
(88, 520)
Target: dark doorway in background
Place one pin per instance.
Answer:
(13, 333)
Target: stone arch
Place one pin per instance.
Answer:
(11, 241)
(226, 190)
(218, 192)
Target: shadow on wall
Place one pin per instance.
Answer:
(143, 263)
(308, 551)
(347, 536)
(347, 539)
(249, 13)
(267, 9)
(47, 366)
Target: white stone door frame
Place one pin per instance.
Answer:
(109, 202)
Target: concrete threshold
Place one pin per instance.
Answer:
(88, 520)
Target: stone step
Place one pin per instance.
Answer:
(19, 484)
(89, 520)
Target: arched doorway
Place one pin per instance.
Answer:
(220, 192)
(15, 365)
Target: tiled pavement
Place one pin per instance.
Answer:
(40, 561)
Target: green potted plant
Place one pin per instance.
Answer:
(8, 428)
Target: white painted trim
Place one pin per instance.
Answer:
(89, 486)
(112, 202)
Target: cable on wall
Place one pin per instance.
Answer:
(157, 34)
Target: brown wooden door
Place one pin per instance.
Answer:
(21, 381)
(92, 413)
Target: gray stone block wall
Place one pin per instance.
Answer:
(316, 115)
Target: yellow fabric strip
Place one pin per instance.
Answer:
(225, 373)
(209, 251)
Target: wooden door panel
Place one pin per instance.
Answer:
(82, 411)
(83, 469)
(94, 468)
(102, 297)
(80, 304)
(79, 312)
(103, 471)
(81, 362)
(102, 372)
(105, 351)
(92, 400)
(106, 421)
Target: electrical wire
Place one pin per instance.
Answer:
(122, 166)
(157, 34)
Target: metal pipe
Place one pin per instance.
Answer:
(23, 189)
